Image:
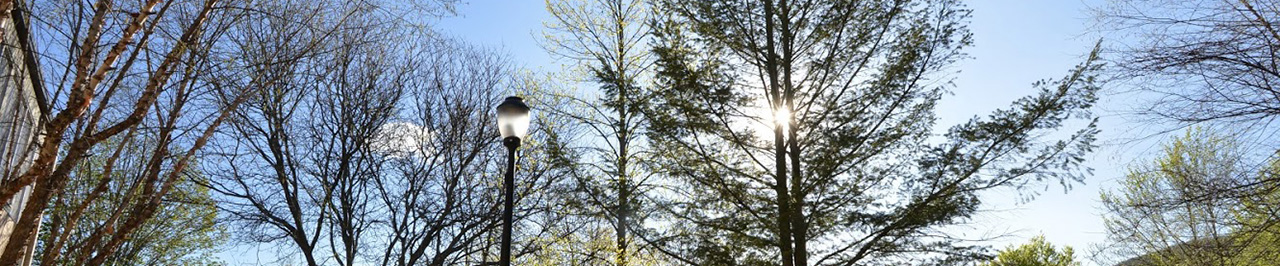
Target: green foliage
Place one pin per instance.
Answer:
(1038, 252)
(853, 171)
(183, 231)
(606, 39)
(1258, 214)
(1260, 247)
(1192, 206)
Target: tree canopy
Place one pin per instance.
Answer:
(802, 132)
(1038, 252)
(1173, 211)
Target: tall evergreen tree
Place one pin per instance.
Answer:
(802, 132)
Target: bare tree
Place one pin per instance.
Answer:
(377, 144)
(437, 203)
(357, 90)
(439, 191)
(1198, 62)
(286, 152)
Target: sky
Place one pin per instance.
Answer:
(1016, 42)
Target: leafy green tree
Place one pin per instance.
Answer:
(802, 132)
(1038, 252)
(1175, 210)
(607, 39)
(1258, 216)
(183, 231)
(1261, 244)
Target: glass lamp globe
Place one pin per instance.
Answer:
(513, 118)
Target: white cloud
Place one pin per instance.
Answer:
(402, 140)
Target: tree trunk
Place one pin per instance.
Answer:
(799, 225)
(13, 252)
(783, 199)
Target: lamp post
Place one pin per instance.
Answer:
(513, 123)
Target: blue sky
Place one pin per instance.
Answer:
(1017, 42)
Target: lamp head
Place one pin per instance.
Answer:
(513, 118)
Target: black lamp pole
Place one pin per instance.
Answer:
(513, 124)
(508, 187)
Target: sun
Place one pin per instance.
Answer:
(764, 119)
(782, 116)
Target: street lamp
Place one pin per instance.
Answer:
(513, 124)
